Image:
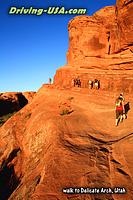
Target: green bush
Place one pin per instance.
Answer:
(70, 98)
(65, 112)
(28, 115)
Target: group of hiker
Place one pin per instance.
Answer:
(76, 82)
(121, 109)
(91, 83)
(94, 84)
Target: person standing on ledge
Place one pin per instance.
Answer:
(119, 108)
(50, 81)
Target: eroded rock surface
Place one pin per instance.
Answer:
(49, 151)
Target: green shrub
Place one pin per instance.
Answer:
(28, 115)
(65, 112)
(70, 98)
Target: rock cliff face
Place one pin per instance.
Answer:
(125, 25)
(14, 101)
(101, 46)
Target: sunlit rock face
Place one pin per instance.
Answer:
(101, 46)
(124, 16)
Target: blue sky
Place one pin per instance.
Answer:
(33, 47)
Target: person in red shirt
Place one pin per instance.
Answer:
(119, 108)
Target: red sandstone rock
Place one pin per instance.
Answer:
(29, 95)
(101, 46)
(124, 17)
(48, 151)
(102, 40)
(42, 151)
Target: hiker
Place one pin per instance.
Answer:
(73, 82)
(119, 108)
(78, 82)
(90, 84)
(121, 96)
(50, 81)
(96, 84)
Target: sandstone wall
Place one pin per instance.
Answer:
(101, 46)
(124, 15)
(109, 81)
